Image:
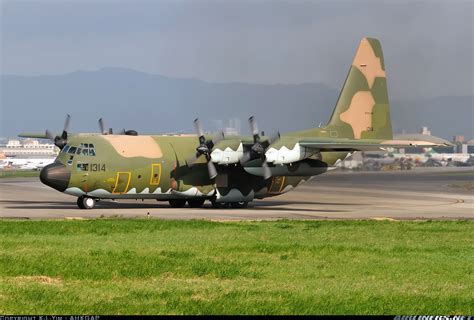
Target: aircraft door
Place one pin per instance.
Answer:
(122, 182)
(155, 176)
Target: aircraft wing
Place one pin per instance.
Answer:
(33, 135)
(363, 145)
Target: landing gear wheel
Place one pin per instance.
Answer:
(219, 205)
(177, 203)
(239, 205)
(84, 202)
(196, 203)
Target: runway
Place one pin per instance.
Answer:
(437, 193)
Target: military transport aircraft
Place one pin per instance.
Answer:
(229, 171)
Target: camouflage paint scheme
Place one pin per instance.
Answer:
(156, 167)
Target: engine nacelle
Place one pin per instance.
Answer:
(283, 155)
(228, 155)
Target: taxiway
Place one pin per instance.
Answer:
(439, 193)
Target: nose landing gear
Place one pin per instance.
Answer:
(84, 202)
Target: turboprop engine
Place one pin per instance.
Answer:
(230, 154)
(283, 155)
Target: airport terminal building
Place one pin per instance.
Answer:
(29, 148)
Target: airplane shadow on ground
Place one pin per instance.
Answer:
(286, 209)
(259, 205)
(266, 203)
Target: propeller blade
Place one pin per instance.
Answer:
(267, 173)
(259, 148)
(102, 126)
(274, 138)
(192, 160)
(205, 148)
(254, 127)
(246, 157)
(212, 169)
(49, 135)
(197, 125)
(66, 123)
(66, 127)
(218, 137)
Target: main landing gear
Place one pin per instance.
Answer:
(177, 203)
(192, 203)
(198, 203)
(84, 202)
(233, 205)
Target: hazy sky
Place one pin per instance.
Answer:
(428, 45)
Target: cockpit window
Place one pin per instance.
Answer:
(85, 149)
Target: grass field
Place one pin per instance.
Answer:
(18, 173)
(202, 267)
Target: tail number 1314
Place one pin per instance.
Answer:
(97, 167)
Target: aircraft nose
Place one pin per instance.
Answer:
(55, 175)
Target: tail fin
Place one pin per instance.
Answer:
(362, 110)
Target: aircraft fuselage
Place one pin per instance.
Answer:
(155, 167)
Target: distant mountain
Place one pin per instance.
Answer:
(157, 104)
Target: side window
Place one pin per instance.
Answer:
(92, 152)
(78, 151)
(82, 167)
(72, 150)
(85, 152)
(65, 149)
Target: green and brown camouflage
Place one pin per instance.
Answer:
(362, 110)
(107, 166)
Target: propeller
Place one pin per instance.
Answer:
(205, 149)
(102, 126)
(60, 141)
(110, 131)
(259, 147)
(103, 129)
